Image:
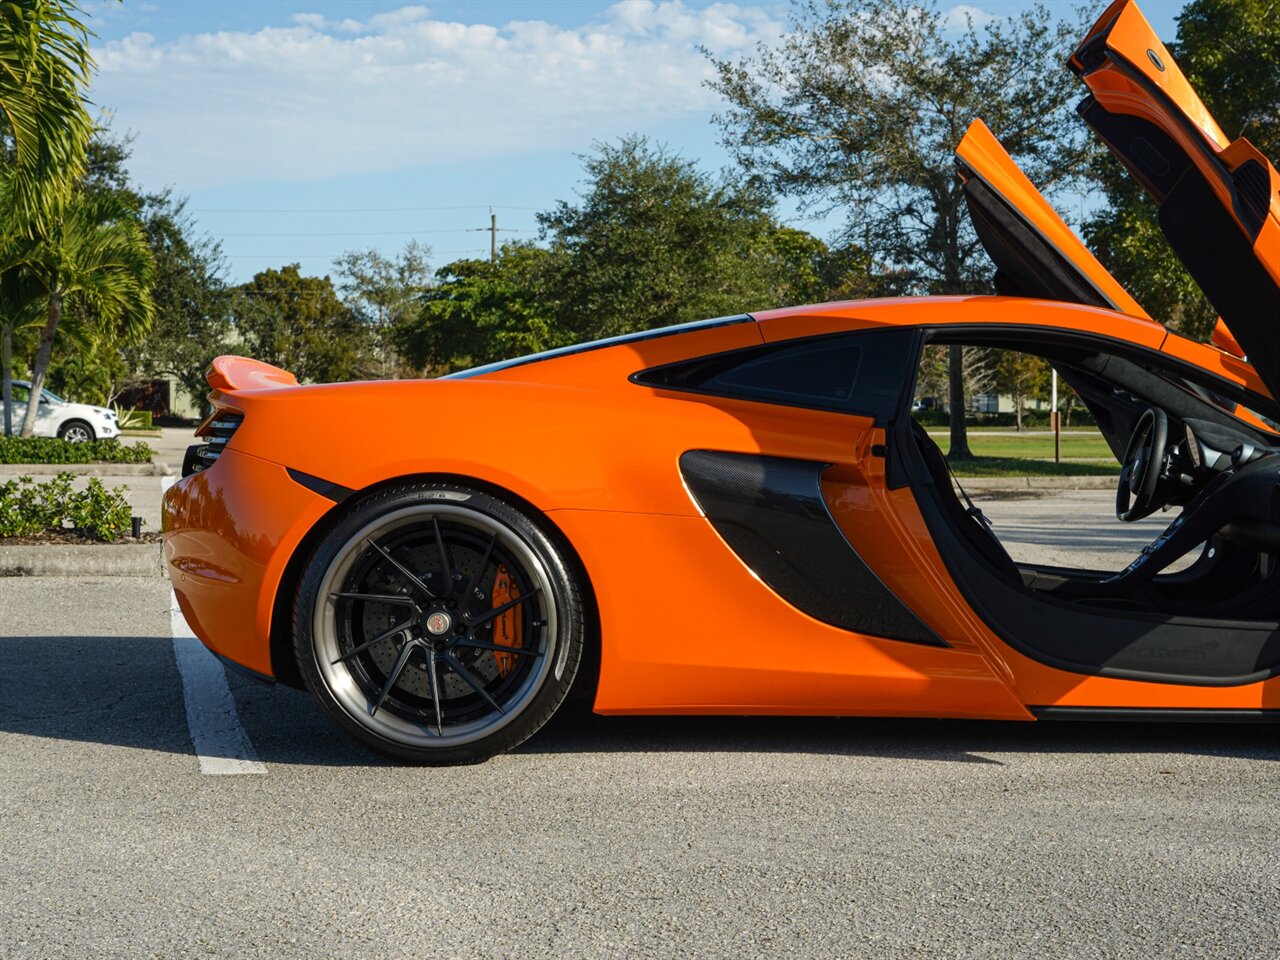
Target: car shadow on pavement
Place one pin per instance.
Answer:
(126, 691)
(575, 729)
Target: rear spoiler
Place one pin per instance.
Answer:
(229, 374)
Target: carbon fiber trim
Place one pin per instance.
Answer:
(330, 491)
(771, 513)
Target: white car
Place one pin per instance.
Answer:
(56, 417)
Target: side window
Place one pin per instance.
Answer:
(863, 373)
(19, 394)
(823, 373)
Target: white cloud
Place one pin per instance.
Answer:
(957, 18)
(320, 98)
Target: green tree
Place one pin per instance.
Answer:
(1230, 52)
(1023, 376)
(300, 324)
(192, 321)
(193, 302)
(44, 67)
(19, 309)
(94, 254)
(861, 106)
(385, 292)
(479, 311)
(653, 240)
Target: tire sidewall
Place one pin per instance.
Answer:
(565, 594)
(65, 428)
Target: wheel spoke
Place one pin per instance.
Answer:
(404, 570)
(497, 648)
(446, 568)
(376, 597)
(396, 669)
(400, 628)
(471, 681)
(435, 691)
(498, 611)
(475, 577)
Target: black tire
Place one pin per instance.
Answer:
(76, 427)
(396, 626)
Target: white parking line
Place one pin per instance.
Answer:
(222, 746)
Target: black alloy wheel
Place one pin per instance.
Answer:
(438, 624)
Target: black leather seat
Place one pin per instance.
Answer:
(974, 531)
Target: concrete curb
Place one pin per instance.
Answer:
(76, 560)
(89, 469)
(1019, 484)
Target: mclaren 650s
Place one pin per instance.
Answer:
(740, 516)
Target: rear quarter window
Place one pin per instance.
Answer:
(863, 373)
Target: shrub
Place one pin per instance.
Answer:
(28, 509)
(53, 450)
(133, 419)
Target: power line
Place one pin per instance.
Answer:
(492, 229)
(332, 256)
(361, 233)
(473, 206)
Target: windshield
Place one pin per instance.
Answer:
(48, 395)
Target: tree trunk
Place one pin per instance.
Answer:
(6, 370)
(959, 432)
(42, 363)
(1017, 406)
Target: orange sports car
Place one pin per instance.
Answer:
(740, 516)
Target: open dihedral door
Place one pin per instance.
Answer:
(1219, 201)
(1036, 254)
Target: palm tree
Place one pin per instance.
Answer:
(96, 253)
(20, 306)
(44, 65)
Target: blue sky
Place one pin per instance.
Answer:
(300, 129)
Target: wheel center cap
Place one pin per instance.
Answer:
(439, 623)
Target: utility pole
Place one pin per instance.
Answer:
(492, 229)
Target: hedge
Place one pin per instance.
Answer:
(53, 450)
(28, 509)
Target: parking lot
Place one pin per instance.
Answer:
(601, 837)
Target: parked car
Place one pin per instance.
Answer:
(740, 516)
(56, 417)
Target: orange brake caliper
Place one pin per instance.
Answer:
(507, 628)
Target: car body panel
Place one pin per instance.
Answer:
(598, 455)
(227, 540)
(1219, 200)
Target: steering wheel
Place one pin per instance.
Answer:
(1143, 462)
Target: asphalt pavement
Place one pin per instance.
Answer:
(601, 837)
(1070, 528)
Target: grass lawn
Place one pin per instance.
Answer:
(984, 466)
(1085, 444)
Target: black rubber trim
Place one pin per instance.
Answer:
(244, 671)
(330, 491)
(637, 337)
(1029, 338)
(1156, 715)
(771, 513)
